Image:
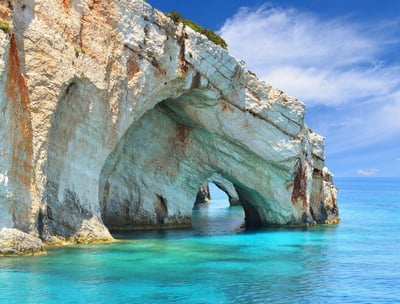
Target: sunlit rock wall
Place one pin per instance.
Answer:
(112, 115)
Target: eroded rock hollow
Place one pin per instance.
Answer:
(112, 116)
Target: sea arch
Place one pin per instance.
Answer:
(130, 148)
(151, 177)
(142, 168)
(93, 86)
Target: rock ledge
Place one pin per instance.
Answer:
(15, 242)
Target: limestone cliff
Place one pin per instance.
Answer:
(112, 116)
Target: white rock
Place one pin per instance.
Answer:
(15, 242)
(112, 115)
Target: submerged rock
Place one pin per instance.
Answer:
(113, 116)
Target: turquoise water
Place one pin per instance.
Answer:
(218, 262)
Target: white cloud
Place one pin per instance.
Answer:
(347, 74)
(322, 85)
(357, 125)
(390, 111)
(367, 172)
(319, 61)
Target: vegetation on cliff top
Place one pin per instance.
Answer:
(177, 18)
(5, 27)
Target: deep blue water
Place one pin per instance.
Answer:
(357, 261)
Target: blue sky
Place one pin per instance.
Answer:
(341, 58)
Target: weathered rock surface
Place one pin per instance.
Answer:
(112, 116)
(16, 242)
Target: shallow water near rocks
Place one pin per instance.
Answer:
(217, 261)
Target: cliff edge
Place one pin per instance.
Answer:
(112, 116)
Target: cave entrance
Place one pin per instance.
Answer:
(222, 214)
(151, 178)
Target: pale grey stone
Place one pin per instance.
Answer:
(112, 116)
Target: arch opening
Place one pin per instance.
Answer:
(151, 178)
(217, 184)
(148, 177)
(218, 215)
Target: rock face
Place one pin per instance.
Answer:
(112, 116)
(16, 242)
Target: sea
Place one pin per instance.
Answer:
(219, 261)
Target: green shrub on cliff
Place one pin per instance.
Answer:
(215, 38)
(5, 27)
(177, 18)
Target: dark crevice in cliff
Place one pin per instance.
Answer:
(299, 186)
(161, 209)
(249, 200)
(196, 81)
(184, 65)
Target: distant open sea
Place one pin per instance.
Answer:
(357, 261)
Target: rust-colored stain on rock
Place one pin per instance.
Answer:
(300, 187)
(17, 92)
(66, 5)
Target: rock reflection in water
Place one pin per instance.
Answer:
(217, 221)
